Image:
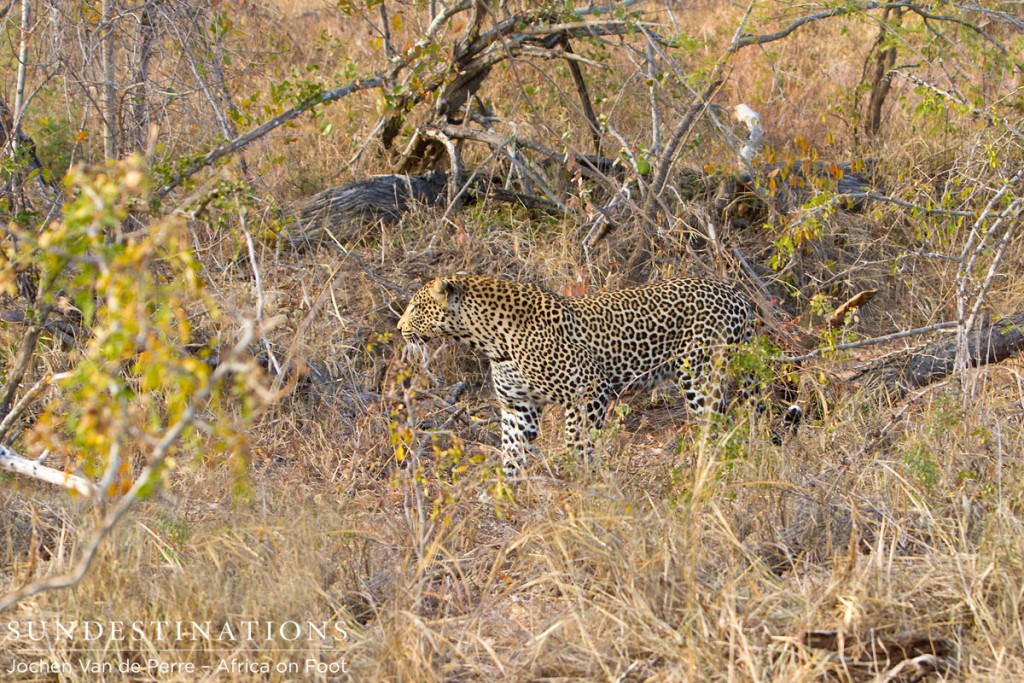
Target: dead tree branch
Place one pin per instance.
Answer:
(533, 33)
(581, 89)
(35, 469)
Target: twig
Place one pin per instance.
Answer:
(908, 205)
(497, 141)
(974, 246)
(272, 364)
(6, 10)
(214, 54)
(669, 154)
(584, 94)
(897, 416)
(442, 18)
(19, 366)
(314, 309)
(545, 187)
(999, 15)
(573, 59)
(700, 103)
(746, 40)
(874, 340)
(997, 258)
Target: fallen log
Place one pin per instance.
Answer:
(349, 207)
(992, 343)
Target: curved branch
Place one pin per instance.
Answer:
(748, 39)
(584, 94)
(72, 579)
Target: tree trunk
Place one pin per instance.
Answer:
(881, 75)
(19, 92)
(108, 98)
(140, 107)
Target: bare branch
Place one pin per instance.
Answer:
(992, 343)
(873, 341)
(26, 400)
(441, 19)
(977, 242)
(997, 258)
(999, 15)
(20, 365)
(7, 10)
(747, 39)
(248, 138)
(272, 364)
(700, 103)
(581, 89)
(909, 205)
(12, 462)
(667, 157)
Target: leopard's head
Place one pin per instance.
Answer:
(433, 311)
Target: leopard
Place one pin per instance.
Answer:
(581, 352)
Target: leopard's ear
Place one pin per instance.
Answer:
(440, 289)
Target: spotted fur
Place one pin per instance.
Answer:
(580, 352)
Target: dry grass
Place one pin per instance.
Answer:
(682, 556)
(692, 557)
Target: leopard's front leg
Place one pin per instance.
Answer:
(580, 420)
(520, 415)
(518, 429)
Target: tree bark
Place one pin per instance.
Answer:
(12, 462)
